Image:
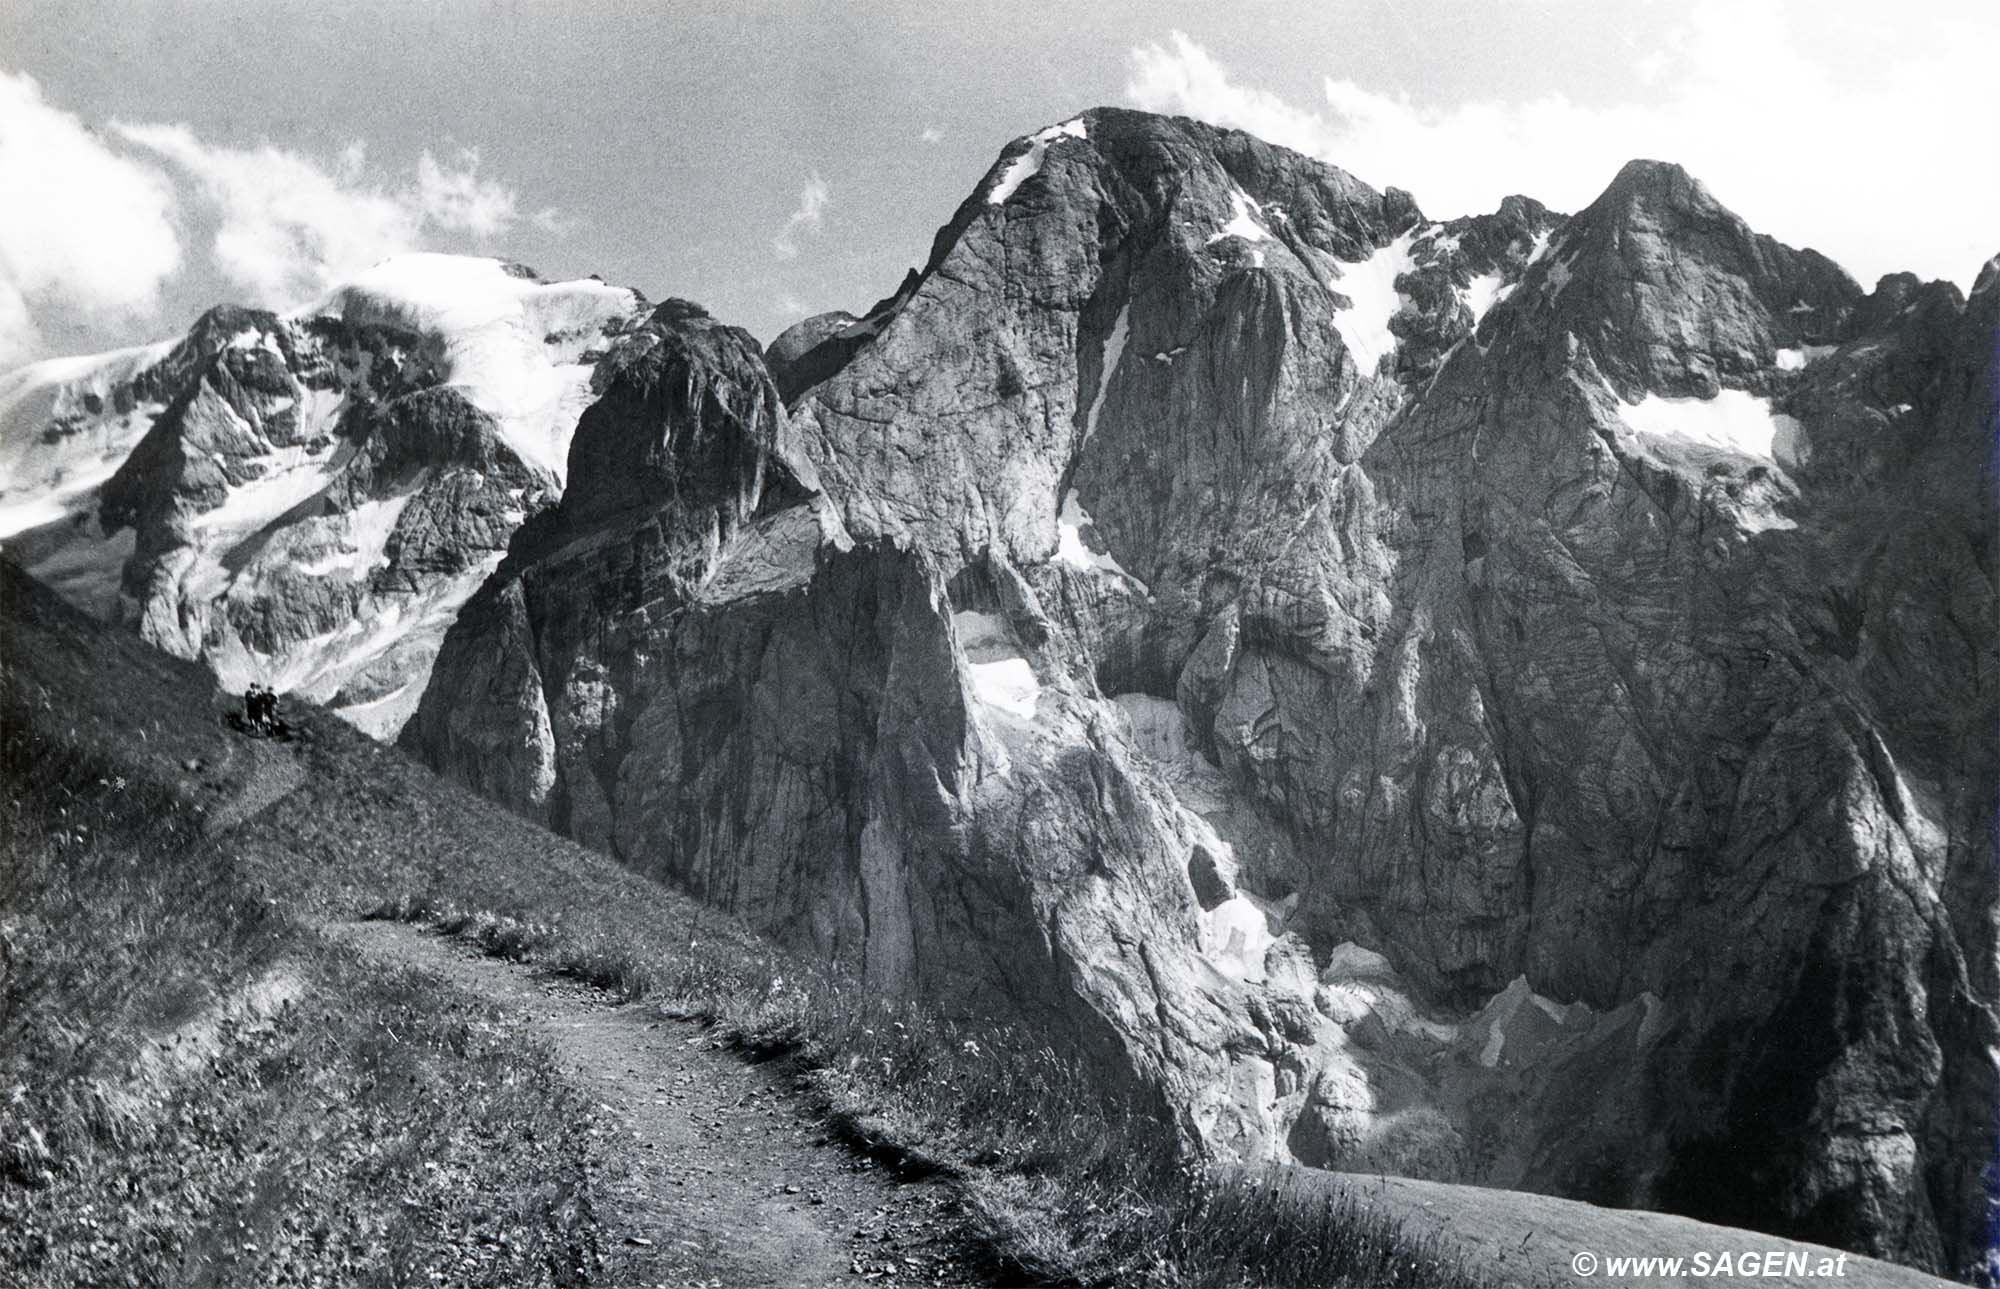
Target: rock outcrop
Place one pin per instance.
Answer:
(305, 501)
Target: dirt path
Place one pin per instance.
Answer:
(715, 1176)
(712, 1174)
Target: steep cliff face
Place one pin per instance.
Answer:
(1504, 700)
(305, 501)
(1641, 537)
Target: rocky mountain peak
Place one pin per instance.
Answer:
(304, 500)
(1676, 296)
(687, 414)
(1644, 184)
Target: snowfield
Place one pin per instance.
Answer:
(511, 344)
(1370, 286)
(1799, 359)
(1734, 421)
(44, 478)
(1001, 678)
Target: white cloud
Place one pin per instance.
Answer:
(932, 134)
(1870, 167)
(83, 231)
(555, 222)
(290, 227)
(460, 200)
(807, 218)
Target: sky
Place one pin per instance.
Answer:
(775, 160)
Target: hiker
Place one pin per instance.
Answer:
(259, 707)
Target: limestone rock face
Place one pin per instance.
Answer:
(305, 501)
(787, 353)
(1501, 700)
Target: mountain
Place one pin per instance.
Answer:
(305, 501)
(1500, 701)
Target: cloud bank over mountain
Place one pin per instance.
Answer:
(103, 219)
(1844, 165)
(84, 228)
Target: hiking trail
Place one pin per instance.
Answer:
(709, 1172)
(714, 1175)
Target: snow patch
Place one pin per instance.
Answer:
(1236, 934)
(1504, 1011)
(365, 547)
(1155, 726)
(1000, 676)
(1734, 420)
(1650, 1023)
(1029, 163)
(1370, 287)
(383, 718)
(1485, 291)
(1788, 441)
(1350, 959)
(1242, 220)
(1114, 351)
(1073, 548)
(1797, 359)
(1550, 1008)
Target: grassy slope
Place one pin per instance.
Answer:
(195, 1089)
(1071, 1188)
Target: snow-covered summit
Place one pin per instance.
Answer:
(512, 343)
(304, 500)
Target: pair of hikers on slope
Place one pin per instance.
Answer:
(260, 709)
